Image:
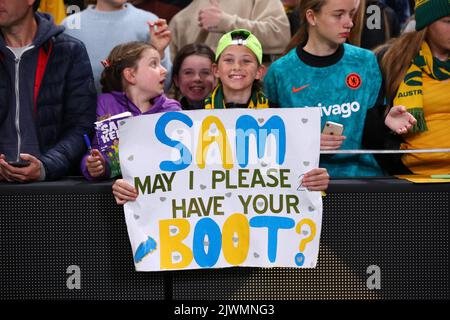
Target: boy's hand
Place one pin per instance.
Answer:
(316, 180)
(123, 191)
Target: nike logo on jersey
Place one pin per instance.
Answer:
(295, 90)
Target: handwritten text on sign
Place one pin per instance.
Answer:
(222, 188)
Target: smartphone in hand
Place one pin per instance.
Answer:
(333, 128)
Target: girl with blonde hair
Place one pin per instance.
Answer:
(416, 69)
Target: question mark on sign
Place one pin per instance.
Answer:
(300, 257)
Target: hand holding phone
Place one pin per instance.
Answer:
(26, 168)
(333, 128)
(331, 137)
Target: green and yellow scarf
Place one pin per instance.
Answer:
(216, 100)
(410, 93)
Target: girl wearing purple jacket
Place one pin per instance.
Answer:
(133, 80)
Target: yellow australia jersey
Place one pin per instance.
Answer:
(436, 106)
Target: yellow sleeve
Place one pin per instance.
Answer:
(55, 7)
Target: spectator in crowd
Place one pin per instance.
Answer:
(192, 75)
(321, 70)
(47, 95)
(239, 53)
(108, 23)
(205, 21)
(132, 80)
(416, 69)
(165, 9)
(374, 24)
(239, 70)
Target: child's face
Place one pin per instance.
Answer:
(438, 36)
(149, 75)
(238, 68)
(334, 21)
(195, 78)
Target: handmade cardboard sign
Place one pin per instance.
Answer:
(222, 188)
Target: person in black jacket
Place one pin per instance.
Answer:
(47, 95)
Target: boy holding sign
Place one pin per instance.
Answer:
(239, 68)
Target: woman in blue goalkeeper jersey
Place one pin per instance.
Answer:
(320, 70)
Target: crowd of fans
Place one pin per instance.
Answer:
(379, 68)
